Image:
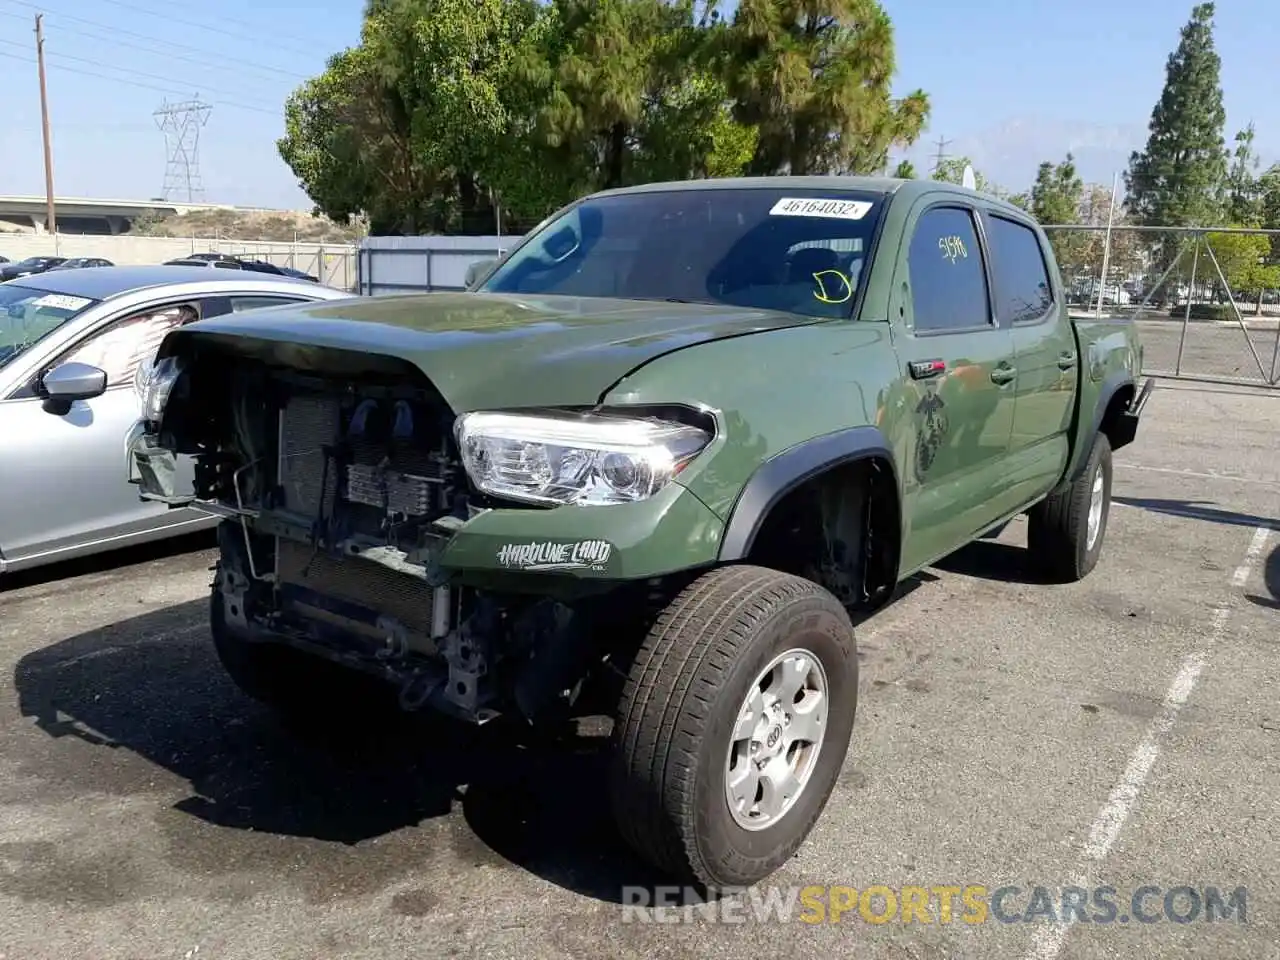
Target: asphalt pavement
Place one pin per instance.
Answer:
(1121, 732)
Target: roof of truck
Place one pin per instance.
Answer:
(886, 186)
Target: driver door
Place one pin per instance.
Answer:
(62, 473)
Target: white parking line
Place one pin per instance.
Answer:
(1048, 940)
(1197, 474)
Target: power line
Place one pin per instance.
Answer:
(167, 46)
(144, 86)
(128, 70)
(306, 47)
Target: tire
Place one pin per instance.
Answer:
(680, 706)
(1058, 528)
(296, 685)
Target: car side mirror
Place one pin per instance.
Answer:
(477, 270)
(68, 382)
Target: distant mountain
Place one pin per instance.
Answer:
(1009, 153)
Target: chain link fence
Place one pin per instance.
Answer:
(1207, 300)
(333, 264)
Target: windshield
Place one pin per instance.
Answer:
(27, 314)
(799, 250)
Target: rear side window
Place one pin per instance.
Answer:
(1022, 280)
(948, 282)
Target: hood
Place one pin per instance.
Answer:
(491, 350)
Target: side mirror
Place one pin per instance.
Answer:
(478, 269)
(69, 382)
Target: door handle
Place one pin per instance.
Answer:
(1003, 375)
(1066, 360)
(927, 369)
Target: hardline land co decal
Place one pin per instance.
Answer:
(549, 555)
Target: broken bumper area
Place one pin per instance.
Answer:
(152, 468)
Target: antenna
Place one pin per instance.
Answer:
(181, 123)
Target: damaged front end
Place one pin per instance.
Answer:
(342, 488)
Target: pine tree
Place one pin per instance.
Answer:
(1180, 178)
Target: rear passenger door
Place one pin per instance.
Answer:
(1045, 352)
(958, 382)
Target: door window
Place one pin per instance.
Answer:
(948, 280)
(1021, 278)
(123, 346)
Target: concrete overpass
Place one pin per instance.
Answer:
(99, 216)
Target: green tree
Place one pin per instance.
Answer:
(1245, 260)
(1244, 189)
(449, 111)
(814, 78)
(351, 148)
(1178, 179)
(951, 170)
(1269, 191)
(1057, 192)
(1055, 199)
(1269, 203)
(905, 170)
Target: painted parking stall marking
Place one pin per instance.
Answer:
(1111, 819)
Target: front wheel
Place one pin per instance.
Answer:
(733, 725)
(1065, 532)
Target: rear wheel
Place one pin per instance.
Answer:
(1065, 532)
(733, 725)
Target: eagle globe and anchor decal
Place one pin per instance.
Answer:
(932, 430)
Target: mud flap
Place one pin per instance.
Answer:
(154, 469)
(1125, 429)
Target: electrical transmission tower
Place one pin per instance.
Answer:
(941, 144)
(181, 123)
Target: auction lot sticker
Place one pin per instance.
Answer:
(820, 207)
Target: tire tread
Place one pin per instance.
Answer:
(667, 700)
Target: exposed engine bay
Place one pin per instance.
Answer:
(338, 496)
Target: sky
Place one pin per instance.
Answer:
(1010, 84)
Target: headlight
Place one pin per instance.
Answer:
(588, 459)
(154, 383)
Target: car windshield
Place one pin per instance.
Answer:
(793, 249)
(27, 314)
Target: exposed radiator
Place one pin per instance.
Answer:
(365, 583)
(308, 424)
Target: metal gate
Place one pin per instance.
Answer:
(1207, 300)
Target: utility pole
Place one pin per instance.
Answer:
(51, 216)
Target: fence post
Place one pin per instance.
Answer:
(1275, 354)
(1236, 310)
(1186, 315)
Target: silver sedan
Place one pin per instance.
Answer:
(74, 346)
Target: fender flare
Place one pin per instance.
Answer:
(1112, 385)
(786, 470)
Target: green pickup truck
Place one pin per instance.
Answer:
(650, 464)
